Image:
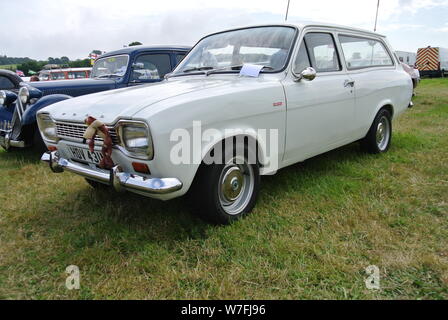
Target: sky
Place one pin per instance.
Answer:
(53, 28)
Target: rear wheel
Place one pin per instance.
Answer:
(379, 137)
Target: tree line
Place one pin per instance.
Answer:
(26, 64)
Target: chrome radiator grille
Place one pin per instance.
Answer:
(75, 131)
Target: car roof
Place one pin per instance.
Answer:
(64, 69)
(139, 48)
(9, 72)
(11, 75)
(306, 24)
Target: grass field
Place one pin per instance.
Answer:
(316, 227)
(9, 66)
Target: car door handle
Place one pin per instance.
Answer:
(349, 83)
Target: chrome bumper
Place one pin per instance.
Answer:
(7, 143)
(116, 178)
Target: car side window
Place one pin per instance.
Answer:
(322, 50)
(302, 59)
(5, 83)
(57, 76)
(179, 57)
(151, 67)
(364, 53)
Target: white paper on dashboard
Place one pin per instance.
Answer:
(250, 70)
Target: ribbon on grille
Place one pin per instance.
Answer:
(96, 127)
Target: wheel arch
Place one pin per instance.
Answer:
(249, 140)
(386, 104)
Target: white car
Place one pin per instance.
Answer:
(243, 103)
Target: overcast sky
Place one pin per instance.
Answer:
(53, 28)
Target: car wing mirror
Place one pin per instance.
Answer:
(309, 74)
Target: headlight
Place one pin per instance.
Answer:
(24, 95)
(136, 139)
(47, 127)
(2, 97)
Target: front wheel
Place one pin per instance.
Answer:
(38, 143)
(226, 192)
(379, 137)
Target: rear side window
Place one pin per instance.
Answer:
(179, 57)
(322, 52)
(364, 53)
(151, 67)
(5, 83)
(57, 76)
(44, 77)
(77, 75)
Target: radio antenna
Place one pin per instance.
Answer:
(287, 10)
(376, 17)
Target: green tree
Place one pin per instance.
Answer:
(135, 43)
(65, 60)
(33, 65)
(84, 63)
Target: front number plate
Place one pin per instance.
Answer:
(84, 155)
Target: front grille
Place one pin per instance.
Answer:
(75, 131)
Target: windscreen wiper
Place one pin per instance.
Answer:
(197, 69)
(108, 76)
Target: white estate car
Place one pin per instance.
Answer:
(243, 103)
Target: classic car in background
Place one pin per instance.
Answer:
(296, 81)
(64, 74)
(9, 80)
(116, 69)
(413, 73)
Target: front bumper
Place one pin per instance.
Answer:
(6, 142)
(115, 177)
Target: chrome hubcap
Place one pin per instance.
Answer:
(232, 184)
(236, 185)
(383, 133)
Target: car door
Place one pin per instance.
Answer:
(320, 113)
(378, 83)
(150, 67)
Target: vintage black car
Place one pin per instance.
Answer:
(9, 80)
(116, 69)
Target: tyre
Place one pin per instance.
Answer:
(379, 137)
(227, 192)
(38, 144)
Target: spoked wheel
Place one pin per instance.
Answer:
(379, 137)
(226, 192)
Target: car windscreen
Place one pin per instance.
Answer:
(110, 67)
(266, 46)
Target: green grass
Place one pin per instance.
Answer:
(8, 66)
(315, 229)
